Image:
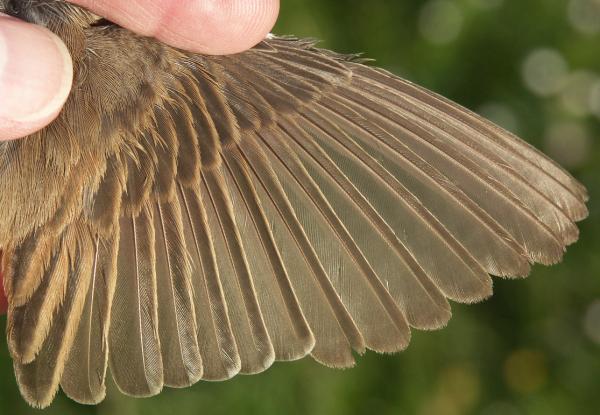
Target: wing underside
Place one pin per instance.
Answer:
(280, 203)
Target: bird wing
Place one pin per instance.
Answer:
(277, 203)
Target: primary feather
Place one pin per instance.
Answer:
(191, 217)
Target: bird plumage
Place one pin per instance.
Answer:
(192, 217)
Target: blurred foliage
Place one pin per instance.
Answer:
(534, 348)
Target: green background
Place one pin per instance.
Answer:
(534, 348)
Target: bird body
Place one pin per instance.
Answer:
(192, 217)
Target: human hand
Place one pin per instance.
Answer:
(36, 69)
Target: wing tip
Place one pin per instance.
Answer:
(37, 398)
(87, 398)
(336, 359)
(265, 361)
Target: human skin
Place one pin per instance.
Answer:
(36, 69)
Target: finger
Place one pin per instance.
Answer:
(35, 77)
(205, 26)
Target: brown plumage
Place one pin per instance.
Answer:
(190, 217)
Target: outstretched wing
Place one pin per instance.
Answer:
(277, 203)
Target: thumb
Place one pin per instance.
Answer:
(35, 77)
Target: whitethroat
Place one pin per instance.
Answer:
(193, 217)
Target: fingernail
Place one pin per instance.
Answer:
(36, 73)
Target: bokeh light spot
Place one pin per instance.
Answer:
(440, 21)
(458, 391)
(544, 71)
(569, 143)
(584, 15)
(591, 321)
(595, 99)
(576, 94)
(525, 371)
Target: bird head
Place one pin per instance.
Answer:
(48, 13)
